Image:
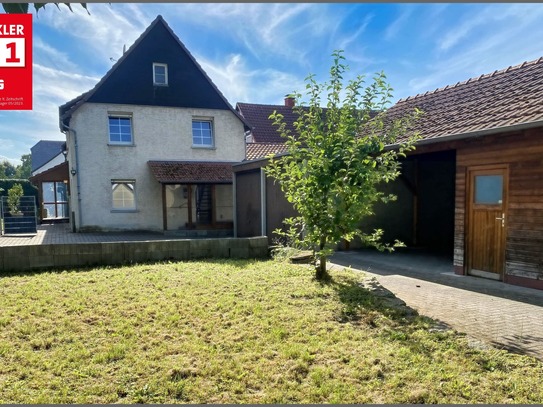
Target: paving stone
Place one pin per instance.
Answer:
(488, 311)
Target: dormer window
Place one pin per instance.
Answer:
(160, 74)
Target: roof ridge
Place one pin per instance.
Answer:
(74, 104)
(260, 104)
(481, 77)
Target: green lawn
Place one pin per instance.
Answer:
(234, 332)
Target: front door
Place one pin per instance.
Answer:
(487, 218)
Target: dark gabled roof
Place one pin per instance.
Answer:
(258, 150)
(493, 102)
(192, 172)
(130, 81)
(44, 151)
(262, 127)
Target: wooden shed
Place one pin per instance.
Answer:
(473, 189)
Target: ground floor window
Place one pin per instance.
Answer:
(55, 200)
(123, 194)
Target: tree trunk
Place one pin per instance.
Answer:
(321, 273)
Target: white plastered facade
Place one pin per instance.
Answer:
(158, 133)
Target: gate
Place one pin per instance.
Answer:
(19, 220)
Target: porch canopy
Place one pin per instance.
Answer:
(192, 172)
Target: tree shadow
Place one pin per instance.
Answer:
(520, 344)
(432, 268)
(369, 305)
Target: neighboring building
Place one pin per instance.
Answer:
(263, 138)
(50, 176)
(151, 146)
(472, 189)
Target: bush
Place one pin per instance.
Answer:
(28, 188)
(14, 198)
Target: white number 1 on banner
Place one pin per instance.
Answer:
(12, 52)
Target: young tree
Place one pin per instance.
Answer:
(7, 169)
(336, 158)
(24, 171)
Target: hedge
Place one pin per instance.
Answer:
(28, 188)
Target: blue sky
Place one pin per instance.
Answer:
(258, 52)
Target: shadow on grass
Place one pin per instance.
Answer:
(369, 305)
(368, 295)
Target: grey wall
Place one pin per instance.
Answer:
(22, 258)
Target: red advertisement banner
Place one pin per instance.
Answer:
(15, 61)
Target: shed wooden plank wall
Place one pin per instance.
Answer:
(523, 152)
(248, 203)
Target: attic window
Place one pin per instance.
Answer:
(160, 74)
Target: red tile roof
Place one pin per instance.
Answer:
(489, 103)
(260, 150)
(486, 104)
(262, 127)
(191, 172)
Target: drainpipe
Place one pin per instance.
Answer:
(234, 202)
(68, 129)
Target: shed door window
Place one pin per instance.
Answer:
(488, 189)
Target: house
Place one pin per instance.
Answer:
(263, 139)
(50, 176)
(151, 146)
(473, 188)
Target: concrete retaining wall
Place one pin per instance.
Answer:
(22, 258)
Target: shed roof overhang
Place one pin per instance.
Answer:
(191, 172)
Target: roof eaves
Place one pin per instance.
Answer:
(478, 133)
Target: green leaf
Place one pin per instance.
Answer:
(15, 8)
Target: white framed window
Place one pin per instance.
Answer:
(120, 129)
(202, 133)
(123, 193)
(160, 74)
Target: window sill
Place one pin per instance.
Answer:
(121, 145)
(204, 147)
(124, 211)
(161, 85)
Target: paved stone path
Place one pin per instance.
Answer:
(61, 233)
(499, 314)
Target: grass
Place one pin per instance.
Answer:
(234, 332)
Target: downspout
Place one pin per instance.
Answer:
(79, 216)
(234, 203)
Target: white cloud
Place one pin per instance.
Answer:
(266, 30)
(491, 18)
(240, 84)
(91, 32)
(349, 38)
(48, 55)
(397, 25)
(486, 51)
